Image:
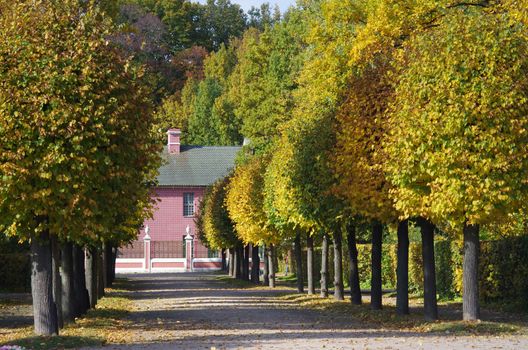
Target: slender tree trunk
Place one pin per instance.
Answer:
(57, 287)
(44, 309)
(232, 262)
(402, 269)
(91, 275)
(246, 262)
(375, 284)
(430, 306)
(255, 264)
(298, 263)
(324, 266)
(104, 264)
(266, 265)
(239, 257)
(470, 296)
(355, 289)
(100, 273)
(108, 263)
(82, 300)
(338, 265)
(113, 268)
(310, 263)
(271, 259)
(68, 294)
(223, 255)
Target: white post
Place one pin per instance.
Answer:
(146, 253)
(189, 249)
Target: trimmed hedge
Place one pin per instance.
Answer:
(503, 268)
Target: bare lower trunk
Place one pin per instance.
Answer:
(310, 263)
(82, 300)
(402, 269)
(298, 263)
(224, 263)
(470, 296)
(266, 265)
(430, 305)
(324, 266)
(246, 262)
(355, 290)
(271, 259)
(255, 264)
(91, 274)
(238, 262)
(68, 294)
(375, 284)
(104, 264)
(232, 262)
(57, 287)
(100, 273)
(44, 309)
(338, 266)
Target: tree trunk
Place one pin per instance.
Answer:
(239, 257)
(232, 262)
(402, 269)
(430, 306)
(470, 296)
(57, 287)
(271, 259)
(223, 255)
(338, 265)
(44, 309)
(104, 263)
(355, 289)
(310, 263)
(68, 294)
(100, 273)
(91, 275)
(246, 262)
(82, 300)
(113, 267)
(298, 263)
(255, 264)
(266, 265)
(108, 263)
(324, 266)
(375, 284)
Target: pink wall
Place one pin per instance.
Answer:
(168, 223)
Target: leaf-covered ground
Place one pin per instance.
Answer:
(208, 311)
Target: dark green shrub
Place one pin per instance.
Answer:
(15, 272)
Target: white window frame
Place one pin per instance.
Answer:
(188, 206)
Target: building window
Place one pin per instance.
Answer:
(188, 204)
(212, 253)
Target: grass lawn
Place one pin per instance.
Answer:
(105, 324)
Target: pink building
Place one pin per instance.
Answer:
(170, 244)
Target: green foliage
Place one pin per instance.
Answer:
(458, 126)
(269, 64)
(214, 225)
(77, 151)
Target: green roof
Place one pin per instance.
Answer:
(196, 165)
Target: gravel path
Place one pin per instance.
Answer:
(197, 311)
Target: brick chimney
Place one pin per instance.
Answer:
(173, 141)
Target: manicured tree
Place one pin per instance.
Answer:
(402, 269)
(79, 144)
(214, 226)
(353, 273)
(310, 263)
(299, 176)
(459, 112)
(244, 203)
